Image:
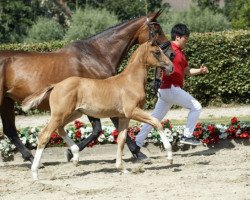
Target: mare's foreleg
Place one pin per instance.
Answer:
(122, 129)
(140, 115)
(9, 128)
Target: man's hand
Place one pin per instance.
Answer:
(203, 69)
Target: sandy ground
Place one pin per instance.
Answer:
(218, 173)
(199, 173)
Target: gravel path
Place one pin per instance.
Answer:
(178, 114)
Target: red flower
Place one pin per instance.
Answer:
(206, 141)
(114, 133)
(78, 124)
(211, 128)
(198, 125)
(244, 135)
(231, 130)
(78, 134)
(197, 134)
(54, 135)
(234, 120)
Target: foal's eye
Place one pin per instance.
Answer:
(158, 53)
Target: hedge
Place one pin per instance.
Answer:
(226, 54)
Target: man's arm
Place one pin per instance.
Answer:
(193, 71)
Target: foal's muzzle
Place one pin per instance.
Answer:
(168, 68)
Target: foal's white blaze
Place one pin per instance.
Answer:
(36, 163)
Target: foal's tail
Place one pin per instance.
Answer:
(36, 98)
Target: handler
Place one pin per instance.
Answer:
(171, 93)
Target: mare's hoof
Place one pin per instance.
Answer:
(69, 155)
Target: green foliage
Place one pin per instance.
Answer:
(226, 54)
(238, 12)
(15, 17)
(127, 9)
(208, 4)
(197, 19)
(45, 30)
(88, 22)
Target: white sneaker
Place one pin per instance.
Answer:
(190, 141)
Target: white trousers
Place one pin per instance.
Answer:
(166, 99)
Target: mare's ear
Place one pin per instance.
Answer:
(154, 16)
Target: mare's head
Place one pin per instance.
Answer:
(154, 56)
(152, 29)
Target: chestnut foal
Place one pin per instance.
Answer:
(120, 96)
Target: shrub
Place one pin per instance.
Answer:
(197, 19)
(88, 22)
(45, 30)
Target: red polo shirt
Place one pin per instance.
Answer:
(177, 77)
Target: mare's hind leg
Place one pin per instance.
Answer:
(9, 128)
(140, 115)
(122, 129)
(97, 128)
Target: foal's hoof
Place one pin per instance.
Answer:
(69, 155)
(76, 162)
(170, 161)
(125, 171)
(41, 166)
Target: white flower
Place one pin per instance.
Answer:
(167, 132)
(111, 138)
(155, 140)
(109, 129)
(33, 130)
(222, 128)
(101, 138)
(70, 133)
(24, 140)
(223, 135)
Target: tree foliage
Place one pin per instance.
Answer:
(208, 4)
(45, 30)
(197, 19)
(88, 22)
(15, 18)
(238, 12)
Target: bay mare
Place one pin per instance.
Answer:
(23, 73)
(121, 96)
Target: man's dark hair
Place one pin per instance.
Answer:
(179, 30)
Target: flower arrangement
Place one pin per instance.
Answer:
(209, 134)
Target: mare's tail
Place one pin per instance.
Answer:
(36, 98)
